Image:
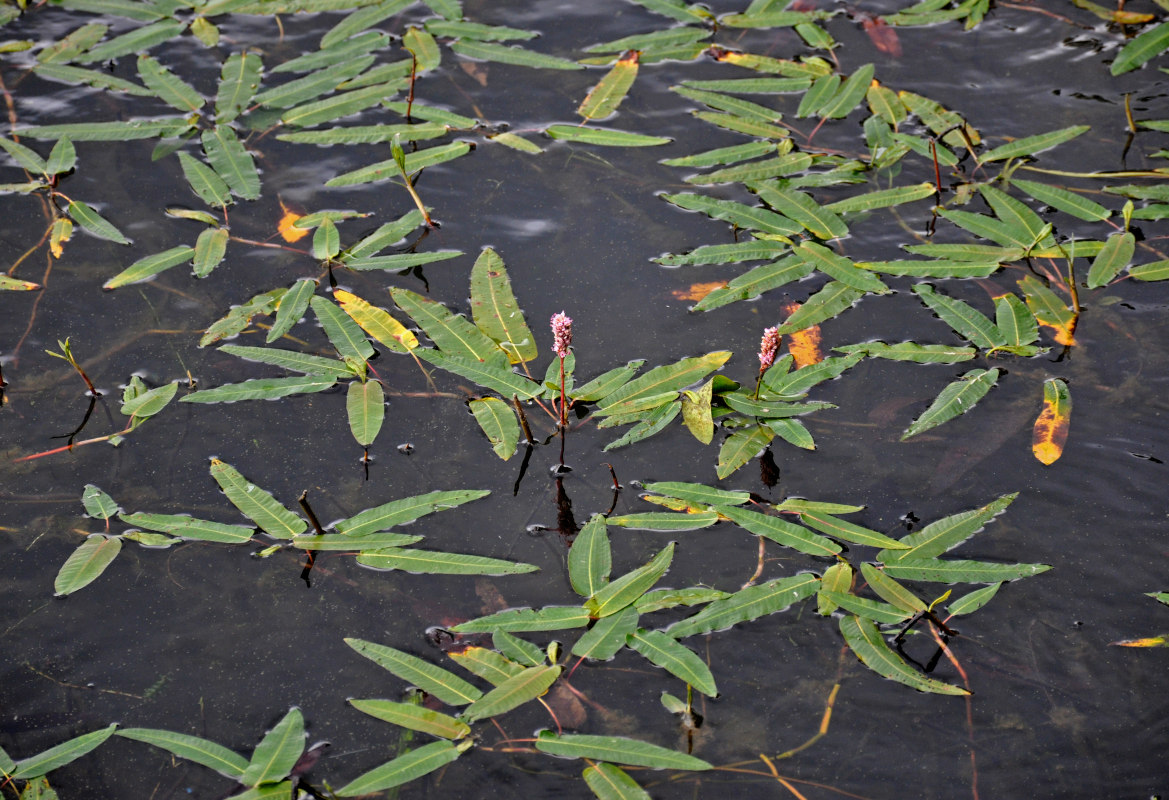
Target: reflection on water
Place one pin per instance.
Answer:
(209, 640)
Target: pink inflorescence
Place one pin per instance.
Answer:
(768, 348)
(561, 334)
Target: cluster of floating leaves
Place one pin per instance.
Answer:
(790, 235)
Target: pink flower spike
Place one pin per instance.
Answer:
(561, 334)
(768, 348)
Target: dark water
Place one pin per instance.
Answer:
(206, 640)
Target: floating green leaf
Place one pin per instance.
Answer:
(957, 398)
(489, 665)
(742, 446)
(1141, 48)
(506, 54)
(890, 590)
(205, 182)
(84, 566)
(256, 504)
(610, 782)
(833, 298)
(493, 377)
(849, 532)
(365, 405)
(405, 768)
(191, 528)
(262, 389)
(343, 332)
(210, 248)
(201, 751)
(604, 136)
(232, 162)
(866, 641)
(604, 98)
(109, 131)
(444, 685)
(747, 604)
(498, 421)
(665, 521)
(147, 404)
(512, 693)
(781, 531)
(616, 749)
(62, 754)
(1064, 200)
(961, 571)
(136, 40)
(517, 620)
(416, 718)
(408, 509)
(801, 208)
(170, 88)
(969, 603)
(945, 534)
(431, 562)
(675, 658)
(98, 504)
(1030, 145)
(1116, 255)
(970, 323)
(911, 351)
(590, 559)
(91, 221)
(277, 752)
(495, 310)
(620, 592)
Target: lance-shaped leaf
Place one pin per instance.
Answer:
(832, 299)
(496, 378)
(801, 208)
(256, 504)
(455, 27)
(750, 250)
(1015, 321)
(341, 105)
(742, 446)
(25, 157)
(606, 383)
(505, 54)
(170, 88)
(616, 749)
(495, 310)
(866, 641)
(205, 182)
(408, 509)
(191, 528)
(667, 378)
(698, 493)
(910, 351)
(91, 221)
(353, 47)
(290, 359)
(945, 534)
(109, 131)
(326, 241)
(430, 562)
(882, 198)
(797, 382)
(59, 755)
(756, 281)
(621, 592)
(970, 323)
(405, 768)
(723, 155)
(489, 665)
(938, 268)
(86, 563)
(414, 717)
(277, 753)
(498, 421)
(607, 636)
(1026, 226)
(848, 531)
(747, 604)
(232, 162)
(453, 334)
(1141, 49)
(590, 559)
(1116, 255)
(149, 403)
(136, 40)
(342, 331)
(606, 137)
(744, 216)
(665, 521)
(840, 268)
(262, 389)
(365, 405)
(339, 541)
(376, 322)
(969, 603)
(444, 685)
(961, 571)
(890, 590)
(882, 613)
(1030, 145)
(781, 531)
(608, 781)
(518, 620)
(604, 98)
(238, 80)
(696, 413)
(660, 599)
(69, 47)
(675, 658)
(423, 47)
(1051, 428)
(956, 399)
(513, 693)
(201, 751)
(311, 86)
(1064, 200)
(518, 649)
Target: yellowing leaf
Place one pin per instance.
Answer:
(804, 345)
(697, 291)
(62, 232)
(1151, 641)
(377, 322)
(286, 225)
(1051, 428)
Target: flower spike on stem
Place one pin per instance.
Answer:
(768, 347)
(561, 341)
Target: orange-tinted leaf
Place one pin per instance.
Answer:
(882, 35)
(1051, 428)
(803, 345)
(697, 291)
(285, 226)
(1049, 310)
(1151, 641)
